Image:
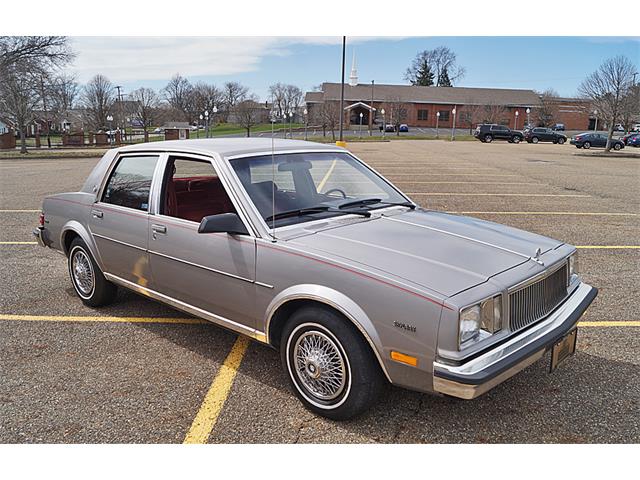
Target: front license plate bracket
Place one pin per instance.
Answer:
(563, 349)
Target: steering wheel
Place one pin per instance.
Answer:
(344, 195)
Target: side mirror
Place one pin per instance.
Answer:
(223, 223)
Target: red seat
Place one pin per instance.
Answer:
(197, 197)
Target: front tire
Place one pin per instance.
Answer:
(617, 146)
(331, 368)
(88, 281)
(488, 138)
(586, 145)
(516, 139)
(561, 141)
(535, 140)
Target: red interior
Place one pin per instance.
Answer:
(193, 198)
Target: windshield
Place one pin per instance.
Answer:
(310, 186)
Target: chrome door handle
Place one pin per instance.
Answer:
(96, 214)
(158, 228)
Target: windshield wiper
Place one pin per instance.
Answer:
(363, 202)
(309, 210)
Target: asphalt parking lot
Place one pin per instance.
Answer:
(138, 371)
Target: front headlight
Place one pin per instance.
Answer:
(480, 321)
(573, 267)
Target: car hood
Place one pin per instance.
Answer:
(441, 252)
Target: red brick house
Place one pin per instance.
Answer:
(419, 106)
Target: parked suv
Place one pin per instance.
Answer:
(542, 134)
(487, 132)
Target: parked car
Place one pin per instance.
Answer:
(243, 233)
(404, 127)
(634, 141)
(636, 128)
(590, 139)
(619, 128)
(542, 134)
(559, 127)
(389, 127)
(487, 132)
(158, 130)
(625, 138)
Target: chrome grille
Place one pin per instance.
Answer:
(534, 301)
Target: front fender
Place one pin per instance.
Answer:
(334, 299)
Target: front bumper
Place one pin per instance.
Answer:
(480, 374)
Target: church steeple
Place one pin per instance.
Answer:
(353, 78)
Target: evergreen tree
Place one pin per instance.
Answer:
(424, 75)
(443, 79)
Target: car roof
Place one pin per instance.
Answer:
(229, 147)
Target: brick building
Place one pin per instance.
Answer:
(419, 106)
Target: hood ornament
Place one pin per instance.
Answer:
(536, 257)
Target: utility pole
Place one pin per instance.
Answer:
(118, 118)
(344, 45)
(371, 110)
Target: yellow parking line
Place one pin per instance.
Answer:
(18, 243)
(20, 211)
(453, 175)
(613, 323)
(435, 194)
(72, 318)
(327, 175)
(215, 398)
(613, 247)
(608, 214)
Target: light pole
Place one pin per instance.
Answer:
(384, 123)
(360, 131)
(306, 123)
(214, 110)
(290, 124)
(206, 123)
(453, 130)
(595, 129)
(371, 118)
(198, 130)
(528, 121)
(344, 46)
(515, 126)
(110, 119)
(437, 121)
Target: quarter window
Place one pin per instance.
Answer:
(130, 182)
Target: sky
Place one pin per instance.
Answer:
(534, 63)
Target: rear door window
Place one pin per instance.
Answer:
(130, 182)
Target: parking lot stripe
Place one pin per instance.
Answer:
(606, 214)
(453, 175)
(436, 194)
(215, 398)
(19, 211)
(18, 243)
(71, 318)
(604, 247)
(327, 175)
(632, 323)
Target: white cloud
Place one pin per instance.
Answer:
(124, 59)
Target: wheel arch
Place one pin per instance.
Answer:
(74, 229)
(294, 298)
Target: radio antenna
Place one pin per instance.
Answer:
(273, 176)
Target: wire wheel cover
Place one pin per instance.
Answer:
(82, 271)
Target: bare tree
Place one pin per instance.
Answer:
(204, 97)
(607, 88)
(327, 116)
(64, 93)
(438, 66)
(248, 113)
(43, 51)
(493, 113)
(472, 113)
(233, 93)
(98, 98)
(146, 102)
(397, 112)
(178, 94)
(630, 111)
(548, 108)
(19, 96)
(285, 98)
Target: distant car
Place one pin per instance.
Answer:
(488, 132)
(404, 127)
(633, 140)
(559, 127)
(619, 128)
(158, 130)
(589, 139)
(625, 139)
(636, 128)
(542, 134)
(389, 128)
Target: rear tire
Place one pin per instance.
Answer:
(586, 145)
(561, 141)
(516, 139)
(88, 281)
(535, 140)
(617, 146)
(331, 368)
(488, 138)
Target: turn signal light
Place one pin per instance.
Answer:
(402, 358)
(41, 220)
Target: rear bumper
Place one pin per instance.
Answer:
(477, 376)
(41, 237)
